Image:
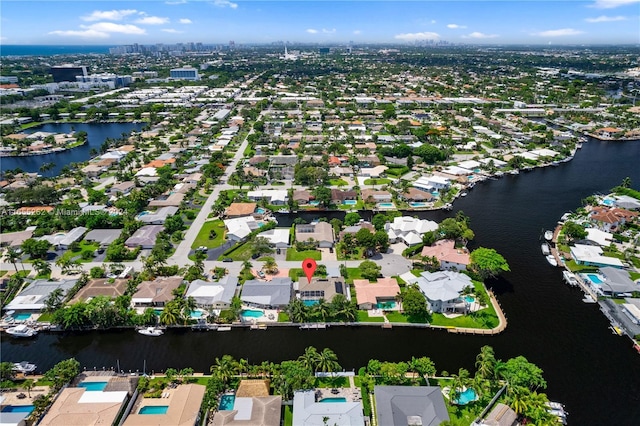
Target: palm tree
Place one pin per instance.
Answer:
(310, 358)
(518, 399)
(322, 309)
(28, 385)
(54, 300)
(64, 263)
(270, 265)
(328, 361)
(459, 382)
(189, 305)
(42, 267)
(242, 366)
(13, 256)
(486, 363)
(297, 311)
(224, 368)
(170, 314)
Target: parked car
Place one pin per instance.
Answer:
(227, 259)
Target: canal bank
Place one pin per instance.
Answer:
(595, 373)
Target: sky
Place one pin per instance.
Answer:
(118, 22)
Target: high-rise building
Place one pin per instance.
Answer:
(186, 73)
(67, 72)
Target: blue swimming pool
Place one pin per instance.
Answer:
(18, 409)
(196, 314)
(469, 299)
(310, 302)
(21, 316)
(260, 210)
(226, 402)
(386, 205)
(350, 202)
(336, 399)
(391, 304)
(250, 313)
(154, 409)
(417, 204)
(435, 193)
(158, 311)
(594, 278)
(93, 386)
(608, 202)
(469, 395)
(314, 203)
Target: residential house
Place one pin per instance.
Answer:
(158, 217)
(156, 292)
(93, 170)
(339, 197)
(240, 227)
(308, 410)
(432, 183)
(610, 219)
(122, 188)
(240, 209)
(101, 287)
(443, 289)
(104, 237)
(601, 238)
(216, 295)
(276, 293)
(410, 405)
(448, 255)
(321, 232)
(501, 415)
(144, 237)
(252, 406)
(301, 196)
(276, 197)
(15, 239)
(62, 240)
(321, 288)
(373, 172)
(377, 295)
(617, 282)
(409, 229)
(373, 196)
(278, 237)
(355, 228)
(416, 195)
(32, 298)
(593, 256)
(183, 408)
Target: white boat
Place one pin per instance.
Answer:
(21, 331)
(545, 249)
(514, 172)
(570, 278)
(226, 328)
(24, 367)
(151, 331)
(548, 235)
(464, 194)
(552, 260)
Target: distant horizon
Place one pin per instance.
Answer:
(472, 22)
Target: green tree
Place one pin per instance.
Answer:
(487, 263)
(369, 270)
(260, 246)
(574, 231)
(486, 363)
(63, 372)
(310, 358)
(224, 368)
(322, 195)
(37, 249)
(351, 219)
(414, 304)
(42, 267)
(13, 256)
(328, 361)
(6, 371)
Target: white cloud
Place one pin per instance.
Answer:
(558, 33)
(173, 3)
(110, 27)
(477, 34)
(152, 20)
(433, 21)
(417, 36)
(357, 32)
(312, 31)
(225, 3)
(612, 4)
(604, 18)
(331, 31)
(171, 30)
(456, 26)
(109, 15)
(81, 34)
(185, 21)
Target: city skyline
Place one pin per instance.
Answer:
(220, 21)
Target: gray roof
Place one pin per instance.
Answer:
(276, 292)
(159, 216)
(207, 293)
(407, 405)
(33, 297)
(617, 281)
(145, 236)
(103, 236)
(443, 285)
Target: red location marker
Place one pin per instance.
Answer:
(309, 267)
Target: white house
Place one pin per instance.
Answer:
(409, 229)
(278, 237)
(430, 183)
(273, 196)
(240, 227)
(442, 290)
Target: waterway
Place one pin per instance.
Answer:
(97, 133)
(595, 373)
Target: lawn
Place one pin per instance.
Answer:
(634, 275)
(84, 247)
(574, 267)
(332, 382)
(296, 273)
(338, 182)
(358, 206)
(293, 254)
(378, 181)
(283, 317)
(363, 316)
(288, 415)
(203, 236)
(355, 255)
(241, 252)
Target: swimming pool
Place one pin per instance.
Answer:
(435, 193)
(608, 202)
(314, 203)
(227, 402)
(418, 204)
(93, 386)
(391, 304)
(158, 311)
(21, 316)
(386, 205)
(310, 302)
(469, 299)
(196, 314)
(467, 396)
(18, 409)
(260, 210)
(250, 313)
(154, 409)
(350, 202)
(333, 399)
(594, 279)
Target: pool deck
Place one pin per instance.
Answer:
(11, 397)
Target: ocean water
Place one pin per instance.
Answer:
(49, 50)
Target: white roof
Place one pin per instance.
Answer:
(544, 152)
(406, 224)
(409, 278)
(469, 164)
(308, 412)
(93, 397)
(527, 155)
(270, 194)
(412, 238)
(241, 226)
(443, 285)
(276, 236)
(598, 236)
(147, 171)
(632, 310)
(593, 255)
(458, 171)
(496, 162)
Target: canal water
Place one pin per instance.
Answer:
(97, 133)
(595, 373)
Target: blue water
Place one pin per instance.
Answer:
(594, 278)
(608, 202)
(386, 305)
(21, 317)
(249, 313)
(338, 399)
(46, 50)
(144, 213)
(154, 409)
(310, 302)
(18, 409)
(469, 395)
(314, 203)
(417, 204)
(93, 386)
(158, 311)
(195, 314)
(435, 193)
(469, 299)
(260, 210)
(226, 402)
(385, 204)
(350, 202)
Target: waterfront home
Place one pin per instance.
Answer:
(432, 183)
(320, 232)
(382, 293)
(276, 197)
(240, 209)
(64, 240)
(599, 237)
(278, 237)
(501, 415)
(339, 197)
(408, 229)
(443, 289)
(321, 288)
(104, 237)
(410, 405)
(158, 217)
(93, 170)
(15, 239)
(32, 298)
(240, 227)
(616, 282)
(310, 410)
(155, 293)
(353, 229)
(216, 294)
(609, 132)
(414, 194)
(593, 256)
(373, 196)
(610, 219)
(179, 407)
(101, 287)
(144, 237)
(489, 161)
(626, 202)
(301, 196)
(276, 293)
(252, 406)
(448, 255)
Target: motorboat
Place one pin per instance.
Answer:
(552, 260)
(545, 249)
(151, 331)
(548, 235)
(570, 278)
(225, 328)
(21, 331)
(514, 172)
(24, 367)
(464, 194)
